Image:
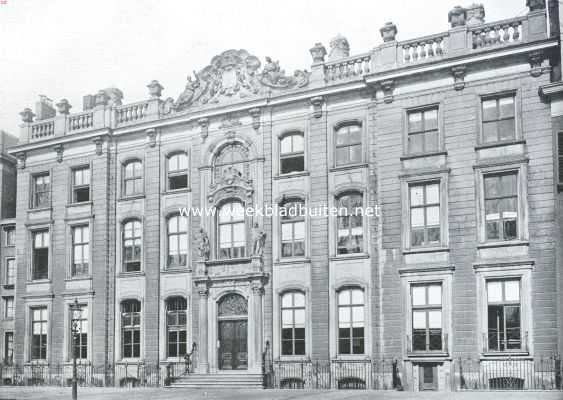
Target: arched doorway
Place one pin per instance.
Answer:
(233, 332)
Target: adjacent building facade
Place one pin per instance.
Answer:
(445, 137)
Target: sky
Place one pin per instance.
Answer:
(70, 48)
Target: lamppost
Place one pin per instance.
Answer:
(76, 312)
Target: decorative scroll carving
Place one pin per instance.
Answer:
(99, 141)
(273, 76)
(388, 87)
(459, 75)
(317, 103)
(59, 149)
(21, 157)
(151, 137)
(233, 304)
(536, 58)
(255, 114)
(204, 125)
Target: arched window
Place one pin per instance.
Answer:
(232, 161)
(132, 245)
(349, 144)
(176, 332)
(231, 230)
(292, 153)
(132, 178)
(131, 329)
(351, 321)
(350, 229)
(292, 228)
(293, 323)
(177, 241)
(177, 171)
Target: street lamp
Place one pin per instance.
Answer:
(76, 312)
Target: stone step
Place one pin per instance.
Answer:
(218, 381)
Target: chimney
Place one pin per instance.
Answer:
(44, 108)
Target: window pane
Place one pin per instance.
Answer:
(299, 299)
(344, 316)
(357, 296)
(416, 143)
(489, 110)
(285, 146)
(506, 129)
(300, 317)
(418, 295)
(433, 193)
(512, 290)
(490, 131)
(433, 216)
(287, 232)
(494, 291)
(435, 294)
(415, 122)
(287, 318)
(506, 107)
(431, 119)
(344, 297)
(417, 195)
(287, 300)
(298, 145)
(299, 230)
(419, 320)
(417, 217)
(434, 319)
(358, 316)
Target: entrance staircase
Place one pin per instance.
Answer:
(229, 380)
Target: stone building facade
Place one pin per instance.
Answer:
(446, 135)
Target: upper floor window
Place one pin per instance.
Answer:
(501, 206)
(40, 254)
(176, 321)
(425, 214)
(80, 250)
(131, 329)
(10, 277)
(292, 153)
(293, 323)
(177, 241)
(351, 321)
(498, 118)
(178, 171)
(293, 229)
(504, 320)
(231, 230)
(132, 245)
(423, 131)
(8, 348)
(231, 163)
(81, 184)
(9, 307)
(349, 144)
(39, 333)
(41, 191)
(133, 178)
(10, 236)
(80, 342)
(426, 317)
(350, 231)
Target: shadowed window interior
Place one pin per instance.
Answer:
(131, 329)
(349, 144)
(292, 153)
(10, 236)
(351, 321)
(8, 348)
(176, 326)
(426, 317)
(177, 241)
(132, 246)
(504, 320)
(498, 119)
(425, 214)
(423, 131)
(293, 323)
(501, 206)
(231, 229)
(39, 333)
(10, 277)
(292, 228)
(178, 171)
(81, 185)
(40, 255)
(350, 231)
(80, 250)
(9, 307)
(80, 340)
(132, 178)
(41, 196)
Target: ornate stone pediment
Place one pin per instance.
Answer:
(235, 74)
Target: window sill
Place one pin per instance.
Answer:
(130, 274)
(40, 209)
(293, 260)
(135, 197)
(291, 175)
(38, 281)
(131, 361)
(79, 278)
(499, 144)
(426, 250)
(288, 358)
(503, 355)
(221, 261)
(9, 286)
(351, 357)
(508, 243)
(427, 354)
(33, 363)
(177, 191)
(423, 155)
(81, 203)
(356, 256)
(176, 270)
(347, 167)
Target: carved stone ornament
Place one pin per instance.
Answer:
(255, 114)
(101, 98)
(536, 58)
(63, 107)
(457, 16)
(167, 106)
(27, 115)
(235, 74)
(233, 304)
(204, 247)
(21, 157)
(317, 103)
(59, 149)
(258, 240)
(388, 87)
(203, 291)
(475, 14)
(318, 52)
(99, 141)
(155, 89)
(339, 48)
(230, 122)
(535, 5)
(458, 73)
(388, 32)
(204, 126)
(151, 137)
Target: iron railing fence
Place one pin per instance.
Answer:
(543, 373)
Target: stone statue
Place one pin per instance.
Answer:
(258, 240)
(204, 245)
(339, 48)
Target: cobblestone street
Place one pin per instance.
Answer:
(44, 393)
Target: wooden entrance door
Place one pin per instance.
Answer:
(233, 352)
